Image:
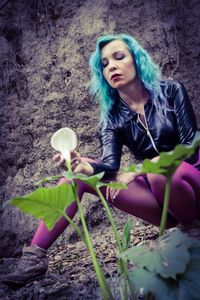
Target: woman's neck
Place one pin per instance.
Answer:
(134, 94)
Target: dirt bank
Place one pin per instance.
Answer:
(44, 52)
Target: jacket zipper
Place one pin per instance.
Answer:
(148, 132)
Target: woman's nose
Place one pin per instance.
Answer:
(112, 66)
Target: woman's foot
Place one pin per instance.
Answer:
(32, 265)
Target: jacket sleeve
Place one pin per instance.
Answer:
(185, 117)
(111, 151)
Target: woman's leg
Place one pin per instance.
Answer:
(45, 238)
(184, 202)
(137, 200)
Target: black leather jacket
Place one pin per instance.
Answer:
(161, 134)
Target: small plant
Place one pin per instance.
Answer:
(167, 269)
(158, 264)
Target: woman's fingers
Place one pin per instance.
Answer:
(107, 193)
(58, 160)
(56, 157)
(74, 164)
(114, 194)
(111, 193)
(75, 155)
(75, 159)
(77, 166)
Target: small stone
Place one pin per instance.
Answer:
(136, 241)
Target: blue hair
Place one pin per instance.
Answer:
(147, 71)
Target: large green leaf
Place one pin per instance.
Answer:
(168, 256)
(46, 204)
(168, 161)
(146, 282)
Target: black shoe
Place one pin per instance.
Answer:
(32, 265)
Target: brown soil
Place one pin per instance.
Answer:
(44, 50)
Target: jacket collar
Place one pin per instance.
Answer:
(127, 113)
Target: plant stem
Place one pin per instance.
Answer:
(105, 289)
(110, 218)
(68, 165)
(122, 264)
(166, 204)
(74, 226)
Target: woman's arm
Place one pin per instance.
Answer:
(186, 121)
(111, 151)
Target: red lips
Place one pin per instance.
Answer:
(114, 76)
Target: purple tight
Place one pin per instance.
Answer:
(141, 200)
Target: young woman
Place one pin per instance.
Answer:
(147, 115)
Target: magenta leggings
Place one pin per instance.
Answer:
(144, 199)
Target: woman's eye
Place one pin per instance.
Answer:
(104, 64)
(119, 56)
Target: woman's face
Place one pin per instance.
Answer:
(118, 64)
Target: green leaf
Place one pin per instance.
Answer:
(114, 185)
(126, 234)
(48, 179)
(94, 181)
(90, 180)
(167, 256)
(46, 204)
(168, 161)
(146, 282)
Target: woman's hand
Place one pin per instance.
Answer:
(125, 178)
(79, 165)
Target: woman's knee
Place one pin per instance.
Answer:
(181, 173)
(178, 181)
(185, 171)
